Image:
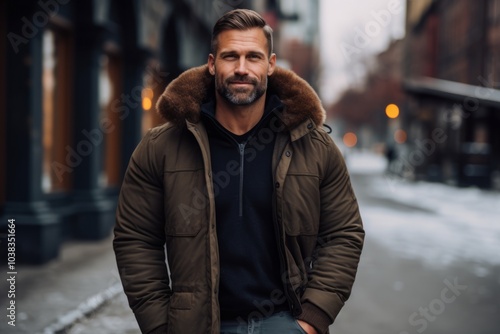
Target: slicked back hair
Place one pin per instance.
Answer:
(241, 19)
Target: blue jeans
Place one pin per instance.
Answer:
(279, 323)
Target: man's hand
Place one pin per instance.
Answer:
(308, 328)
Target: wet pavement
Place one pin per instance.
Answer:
(113, 317)
(54, 295)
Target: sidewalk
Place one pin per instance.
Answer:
(51, 297)
(451, 224)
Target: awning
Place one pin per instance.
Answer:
(452, 90)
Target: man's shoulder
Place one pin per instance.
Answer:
(324, 144)
(169, 137)
(165, 131)
(321, 135)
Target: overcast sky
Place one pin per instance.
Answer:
(350, 32)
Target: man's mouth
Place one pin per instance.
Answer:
(241, 83)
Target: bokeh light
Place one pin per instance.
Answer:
(146, 103)
(350, 139)
(147, 98)
(400, 136)
(392, 111)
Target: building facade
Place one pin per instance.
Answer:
(452, 75)
(78, 88)
(79, 82)
(299, 38)
(382, 86)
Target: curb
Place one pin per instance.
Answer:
(85, 308)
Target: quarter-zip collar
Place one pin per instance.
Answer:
(272, 106)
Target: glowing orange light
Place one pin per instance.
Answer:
(392, 111)
(147, 98)
(350, 139)
(146, 103)
(400, 136)
(147, 92)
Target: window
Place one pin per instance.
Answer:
(492, 65)
(153, 87)
(494, 11)
(109, 95)
(56, 106)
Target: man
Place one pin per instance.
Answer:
(248, 193)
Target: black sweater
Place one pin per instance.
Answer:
(243, 188)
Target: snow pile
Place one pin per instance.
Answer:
(364, 162)
(438, 223)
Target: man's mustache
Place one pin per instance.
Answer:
(244, 79)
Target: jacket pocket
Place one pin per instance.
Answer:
(184, 316)
(301, 204)
(186, 202)
(181, 301)
(176, 228)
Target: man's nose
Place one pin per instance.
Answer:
(241, 67)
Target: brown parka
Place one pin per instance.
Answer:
(167, 198)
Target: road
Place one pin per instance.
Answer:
(422, 270)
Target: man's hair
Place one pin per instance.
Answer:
(241, 19)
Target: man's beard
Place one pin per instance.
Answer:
(240, 96)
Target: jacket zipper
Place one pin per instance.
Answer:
(293, 302)
(281, 254)
(279, 239)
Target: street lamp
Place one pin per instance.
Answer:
(392, 111)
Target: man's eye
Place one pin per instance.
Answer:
(230, 57)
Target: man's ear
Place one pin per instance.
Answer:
(272, 64)
(211, 64)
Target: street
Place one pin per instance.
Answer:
(423, 269)
(147, 96)
(431, 261)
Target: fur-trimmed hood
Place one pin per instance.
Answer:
(182, 98)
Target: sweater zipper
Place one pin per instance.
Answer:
(241, 151)
(242, 169)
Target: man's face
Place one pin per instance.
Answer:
(241, 65)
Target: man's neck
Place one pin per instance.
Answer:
(239, 119)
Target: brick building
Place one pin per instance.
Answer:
(452, 75)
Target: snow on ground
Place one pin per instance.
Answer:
(438, 223)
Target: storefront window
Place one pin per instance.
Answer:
(152, 90)
(109, 120)
(48, 84)
(56, 105)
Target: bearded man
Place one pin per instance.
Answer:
(249, 195)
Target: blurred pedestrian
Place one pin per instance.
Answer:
(390, 154)
(249, 194)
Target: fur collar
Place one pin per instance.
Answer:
(182, 98)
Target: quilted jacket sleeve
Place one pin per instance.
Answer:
(339, 245)
(139, 238)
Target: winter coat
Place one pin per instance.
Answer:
(167, 197)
